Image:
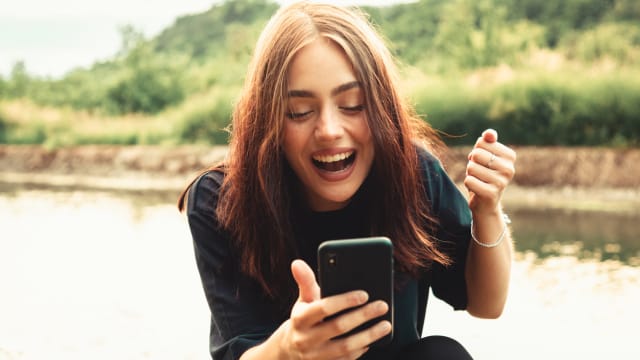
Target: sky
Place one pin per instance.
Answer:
(53, 37)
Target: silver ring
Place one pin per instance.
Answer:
(493, 157)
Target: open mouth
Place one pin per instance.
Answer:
(336, 162)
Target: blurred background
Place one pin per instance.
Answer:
(108, 110)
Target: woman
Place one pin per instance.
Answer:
(324, 147)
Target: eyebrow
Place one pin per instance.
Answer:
(340, 89)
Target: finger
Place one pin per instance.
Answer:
(319, 310)
(356, 342)
(494, 175)
(484, 158)
(497, 170)
(482, 154)
(482, 190)
(497, 148)
(309, 290)
(349, 321)
(490, 135)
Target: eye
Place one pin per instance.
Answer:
(352, 109)
(298, 115)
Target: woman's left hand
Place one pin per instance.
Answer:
(490, 169)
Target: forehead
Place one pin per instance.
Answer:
(321, 63)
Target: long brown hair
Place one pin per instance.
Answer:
(255, 202)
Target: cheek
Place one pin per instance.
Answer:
(364, 133)
(291, 142)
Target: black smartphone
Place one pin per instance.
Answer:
(359, 264)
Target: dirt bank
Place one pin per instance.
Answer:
(569, 173)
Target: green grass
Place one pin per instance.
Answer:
(572, 106)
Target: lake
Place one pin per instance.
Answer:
(111, 275)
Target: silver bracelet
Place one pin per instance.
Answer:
(500, 238)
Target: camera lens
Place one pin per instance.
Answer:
(332, 259)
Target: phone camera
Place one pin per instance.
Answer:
(332, 259)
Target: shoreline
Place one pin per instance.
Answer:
(610, 200)
(572, 179)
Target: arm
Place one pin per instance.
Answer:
(241, 316)
(489, 171)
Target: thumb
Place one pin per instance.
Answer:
(490, 135)
(306, 280)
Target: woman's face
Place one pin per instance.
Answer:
(327, 140)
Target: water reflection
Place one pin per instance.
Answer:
(584, 235)
(111, 275)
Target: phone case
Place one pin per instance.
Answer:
(359, 264)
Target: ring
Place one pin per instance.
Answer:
(493, 157)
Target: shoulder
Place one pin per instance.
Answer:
(428, 161)
(204, 192)
(211, 241)
(433, 175)
(444, 196)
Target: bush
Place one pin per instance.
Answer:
(556, 112)
(617, 41)
(33, 134)
(3, 129)
(145, 91)
(457, 112)
(541, 110)
(206, 122)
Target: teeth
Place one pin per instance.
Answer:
(332, 158)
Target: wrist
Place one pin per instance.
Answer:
(486, 240)
(271, 348)
(493, 214)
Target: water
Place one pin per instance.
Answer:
(111, 275)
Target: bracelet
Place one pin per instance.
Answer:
(500, 238)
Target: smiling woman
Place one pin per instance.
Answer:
(324, 147)
(327, 141)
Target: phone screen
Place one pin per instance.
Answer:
(359, 264)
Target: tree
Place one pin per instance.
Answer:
(3, 87)
(18, 80)
(149, 82)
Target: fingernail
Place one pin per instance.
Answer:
(382, 306)
(384, 327)
(362, 296)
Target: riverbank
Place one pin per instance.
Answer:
(599, 179)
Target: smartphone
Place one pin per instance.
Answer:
(359, 264)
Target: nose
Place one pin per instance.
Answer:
(329, 125)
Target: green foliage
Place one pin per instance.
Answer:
(619, 41)
(34, 134)
(19, 81)
(206, 122)
(203, 35)
(410, 28)
(149, 82)
(80, 89)
(3, 87)
(453, 109)
(145, 90)
(560, 17)
(3, 129)
(542, 110)
(189, 74)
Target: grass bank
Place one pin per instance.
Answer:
(567, 105)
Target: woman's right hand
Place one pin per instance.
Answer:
(305, 335)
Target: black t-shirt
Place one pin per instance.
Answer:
(242, 316)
